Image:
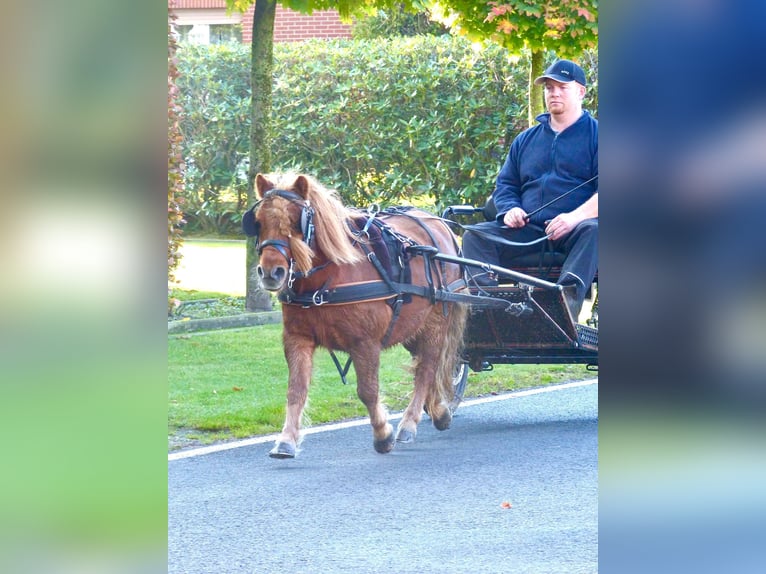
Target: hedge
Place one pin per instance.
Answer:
(425, 119)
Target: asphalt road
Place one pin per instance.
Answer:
(436, 505)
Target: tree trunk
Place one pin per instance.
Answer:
(257, 298)
(536, 100)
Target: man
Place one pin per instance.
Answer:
(554, 161)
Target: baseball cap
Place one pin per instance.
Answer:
(563, 71)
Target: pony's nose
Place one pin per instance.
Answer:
(276, 275)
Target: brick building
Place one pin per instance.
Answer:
(206, 22)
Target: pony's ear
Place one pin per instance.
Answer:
(302, 186)
(263, 184)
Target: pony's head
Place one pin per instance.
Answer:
(299, 223)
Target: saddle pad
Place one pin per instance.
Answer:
(387, 248)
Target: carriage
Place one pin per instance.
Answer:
(360, 281)
(536, 327)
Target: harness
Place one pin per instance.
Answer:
(391, 254)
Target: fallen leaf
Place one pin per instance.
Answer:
(505, 504)
(237, 389)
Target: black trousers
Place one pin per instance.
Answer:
(580, 247)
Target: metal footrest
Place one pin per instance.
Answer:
(587, 335)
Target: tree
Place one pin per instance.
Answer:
(262, 49)
(566, 27)
(261, 63)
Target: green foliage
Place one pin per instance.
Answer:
(395, 120)
(215, 86)
(589, 63)
(395, 22)
(175, 163)
(424, 120)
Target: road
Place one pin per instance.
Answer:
(437, 505)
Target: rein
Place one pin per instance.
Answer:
(495, 239)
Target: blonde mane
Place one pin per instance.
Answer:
(331, 217)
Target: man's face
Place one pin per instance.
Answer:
(563, 97)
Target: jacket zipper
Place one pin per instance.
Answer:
(552, 167)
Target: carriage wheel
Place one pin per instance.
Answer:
(459, 381)
(593, 320)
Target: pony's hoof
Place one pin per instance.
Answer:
(282, 450)
(444, 421)
(385, 445)
(405, 436)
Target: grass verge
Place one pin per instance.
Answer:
(232, 384)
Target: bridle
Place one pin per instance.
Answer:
(251, 228)
(306, 225)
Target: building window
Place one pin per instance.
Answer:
(225, 33)
(209, 33)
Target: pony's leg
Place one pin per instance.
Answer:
(299, 353)
(424, 363)
(429, 354)
(436, 352)
(366, 365)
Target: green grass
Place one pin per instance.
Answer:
(233, 384)
(194, 295)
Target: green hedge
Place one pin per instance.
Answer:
(424, 120)
(215, 86)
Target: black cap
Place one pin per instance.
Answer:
(563, 71)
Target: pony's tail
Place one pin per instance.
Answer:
(451, 350)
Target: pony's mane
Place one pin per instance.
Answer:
(331, 218)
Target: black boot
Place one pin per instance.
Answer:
(484, 280)
(573, 301)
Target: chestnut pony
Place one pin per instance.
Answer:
(341, 292)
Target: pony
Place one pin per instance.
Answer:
(359, 282)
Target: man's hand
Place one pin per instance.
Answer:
(515, 217)
(564, 223)
(561, 225)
